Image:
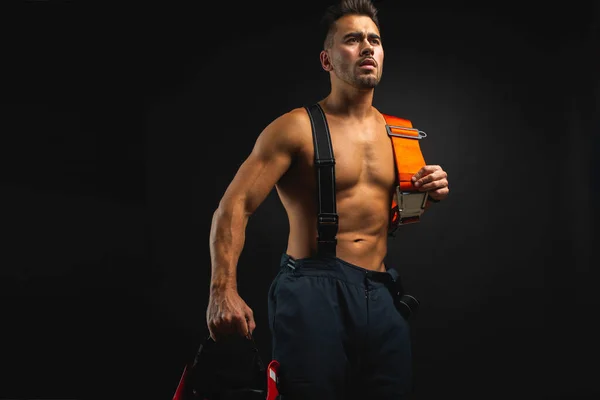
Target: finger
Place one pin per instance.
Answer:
(432, 177)
(242, 326)
(438, 175)
(222, 326)
(418, 175)
(212, 330)
(439, 194)
(215, 335)
(434, 185)
(251, 327)
(429, 178)
(425, 170)
(250, 320)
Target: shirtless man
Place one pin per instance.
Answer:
(335, 329)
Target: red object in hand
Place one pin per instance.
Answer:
(179, 392)
(272, 380)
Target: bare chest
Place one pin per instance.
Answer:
(363, 155)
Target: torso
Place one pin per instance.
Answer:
(365, 179)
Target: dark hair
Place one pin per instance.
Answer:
(342, 8)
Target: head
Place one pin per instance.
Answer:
(352, 50)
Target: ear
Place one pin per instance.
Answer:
(325, 60)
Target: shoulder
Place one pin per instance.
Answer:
(289, 126)
(293, 121)
(394, 119)
(289, 130)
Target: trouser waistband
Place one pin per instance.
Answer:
(337, 268)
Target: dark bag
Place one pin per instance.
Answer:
(230, 369)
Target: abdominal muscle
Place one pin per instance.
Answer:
(362, 230)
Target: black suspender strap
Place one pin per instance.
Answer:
(327, 222)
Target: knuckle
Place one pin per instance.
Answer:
(226, 318)
(239, 317)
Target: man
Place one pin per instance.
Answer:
(335, 329)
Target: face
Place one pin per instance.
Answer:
(356, 56)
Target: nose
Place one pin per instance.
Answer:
(367, 50)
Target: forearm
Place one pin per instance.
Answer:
(227, 236)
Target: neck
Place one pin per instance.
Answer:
(349, 101)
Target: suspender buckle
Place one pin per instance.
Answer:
(327, 228)
(328, 219)
(410, 205)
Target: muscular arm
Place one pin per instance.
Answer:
(269, 160)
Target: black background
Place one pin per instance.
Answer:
(122, 125)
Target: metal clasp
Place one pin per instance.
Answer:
(410, 205)
(420, 134)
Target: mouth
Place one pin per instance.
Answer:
(368, 63)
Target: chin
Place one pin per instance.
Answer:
(367, 83)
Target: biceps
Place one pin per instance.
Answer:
(255, 179)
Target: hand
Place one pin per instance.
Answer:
(227, 313)
(432, 179)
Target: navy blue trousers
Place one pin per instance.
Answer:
(337, 333)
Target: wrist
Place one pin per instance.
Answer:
(222, 285)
